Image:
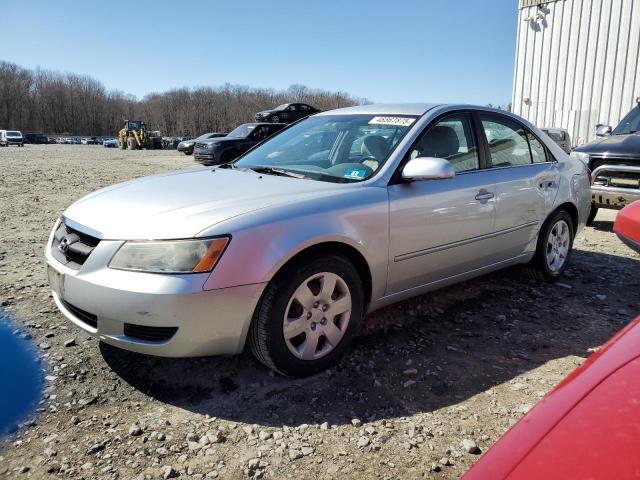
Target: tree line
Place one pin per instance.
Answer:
(70, 104)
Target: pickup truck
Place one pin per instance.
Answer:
(614, 161)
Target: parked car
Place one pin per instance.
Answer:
(187, 146)
(286, 113)
(561, 136)
(110, 143)
(614, 159)
(574, 432)
(627, 225)
(35, 138)
(11, 137)
(287, 251)
(171, 143)
(52, 140)
(215, 151)
(89, 141)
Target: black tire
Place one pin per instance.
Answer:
(538, 267)
(274, 119)
(132, 144)
(266, 339)
(592, 215)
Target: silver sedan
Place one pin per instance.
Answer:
(291, 245)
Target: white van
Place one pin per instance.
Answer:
(11, 137)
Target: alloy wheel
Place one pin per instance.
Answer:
(558, 244)
(317, 316)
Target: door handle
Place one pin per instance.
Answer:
(484, 195)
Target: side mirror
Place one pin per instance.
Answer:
(603, 130)
(428, 168)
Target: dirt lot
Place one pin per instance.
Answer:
(462, 363)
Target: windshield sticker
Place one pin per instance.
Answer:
(355, 173)
(397, 121)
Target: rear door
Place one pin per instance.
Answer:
(526, 178)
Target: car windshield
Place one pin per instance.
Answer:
(629, 124)
(204, 136)
(13, 134)
(282, 107)
(242, 131)
(333, 148)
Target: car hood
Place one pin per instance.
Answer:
(221, 140)
(626, 146)
(181, 204)
(265, 112)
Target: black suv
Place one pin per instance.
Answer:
(35, 138)
(286, 113)
(215, 151)
(614, 160)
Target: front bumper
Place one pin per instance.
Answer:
(607, 196)
(101, 301)
(205, 158)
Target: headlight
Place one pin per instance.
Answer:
(172, 256)
(583, 157)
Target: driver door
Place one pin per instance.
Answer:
(440, 229)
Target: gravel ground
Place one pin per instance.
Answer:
(431, 383)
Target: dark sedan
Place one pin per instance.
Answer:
(187, 146)
(214, 151)
(286, 113)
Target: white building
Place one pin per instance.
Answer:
(577, 63)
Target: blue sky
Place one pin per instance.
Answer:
(387, 51)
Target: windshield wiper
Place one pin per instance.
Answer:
(277, 171)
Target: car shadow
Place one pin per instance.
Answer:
(420, 355)
(603, 225)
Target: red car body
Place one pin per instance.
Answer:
(627, 225)
(588, 427)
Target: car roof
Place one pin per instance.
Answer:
(384, 109)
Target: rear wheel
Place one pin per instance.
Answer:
(555, 243)
(308, 316)
(592, 215)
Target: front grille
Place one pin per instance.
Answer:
(82, 315)
(202, 145)
(149, 334)
(71, 247)
(618, 177)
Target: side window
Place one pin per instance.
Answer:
(292, 108)
(507, 142)
(304, 107)
(538, 151)
(452, 139)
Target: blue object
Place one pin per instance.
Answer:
(20, 377)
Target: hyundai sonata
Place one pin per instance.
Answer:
(289, 246)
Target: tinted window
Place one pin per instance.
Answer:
(538, 152)
(305, 107)
(629, 124)
(292, 107)
(452, 139)
(507, 142)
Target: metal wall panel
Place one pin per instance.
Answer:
(577, 63)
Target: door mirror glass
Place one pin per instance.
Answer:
(428, 168)
(603, 130)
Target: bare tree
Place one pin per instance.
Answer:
(71, 104)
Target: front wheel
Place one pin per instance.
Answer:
(555, 243)
(308, 316)
(275, 119)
